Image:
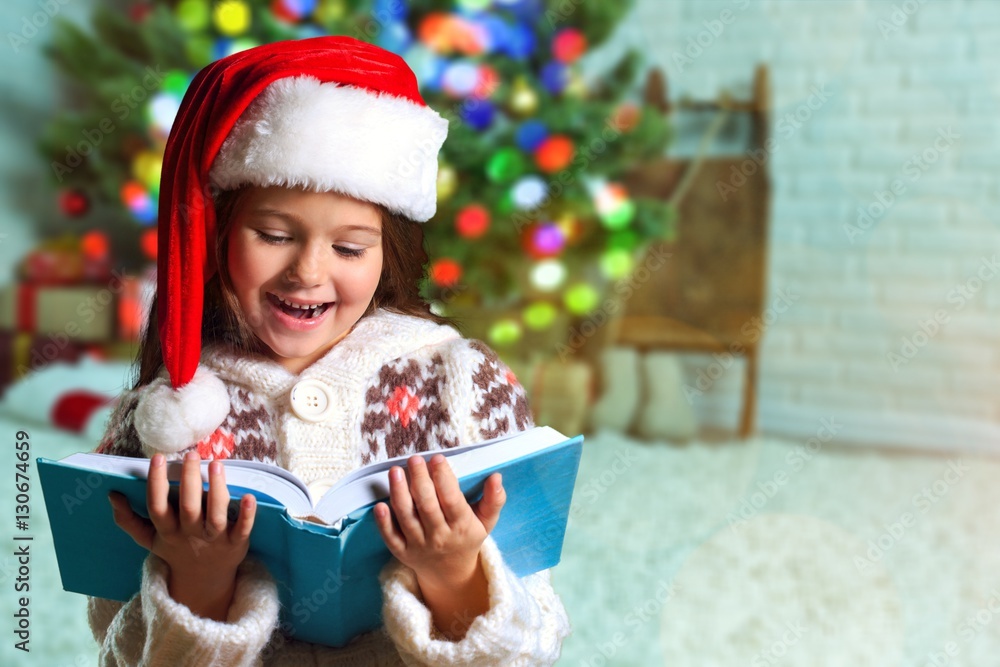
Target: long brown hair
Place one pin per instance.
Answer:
(403, 260)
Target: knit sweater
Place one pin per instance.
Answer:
(399, 384)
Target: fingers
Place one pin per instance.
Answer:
(425, 495)
(189, 508)
(240, 531)
(489, 506)
(391, 535)
(402, 506)
(157, 489)
(452, 501)
(138, 529)
(217, 512)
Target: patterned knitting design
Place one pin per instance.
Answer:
(252, 426)
(501, 404)
(120, 439)
(404, 412)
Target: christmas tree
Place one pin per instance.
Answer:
(532, 227)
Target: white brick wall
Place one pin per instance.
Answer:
(889, 97)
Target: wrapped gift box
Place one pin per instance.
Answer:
(85, 312)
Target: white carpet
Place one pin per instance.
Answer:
(660, 568)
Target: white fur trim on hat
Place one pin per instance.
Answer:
(168, 420)
(326, 136)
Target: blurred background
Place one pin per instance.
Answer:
(749, 247)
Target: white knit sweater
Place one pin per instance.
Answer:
(399, 384)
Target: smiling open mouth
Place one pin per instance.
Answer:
(300, 311)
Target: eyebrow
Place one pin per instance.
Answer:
(294, 218)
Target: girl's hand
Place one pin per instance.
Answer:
(202, 550)
(439, 534)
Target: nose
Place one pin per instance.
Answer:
(306, 268)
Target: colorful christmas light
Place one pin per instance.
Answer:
(548, 275)
(554, 153)
(472, 221)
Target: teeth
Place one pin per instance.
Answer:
(300, 307)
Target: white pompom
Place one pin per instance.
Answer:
(169, 420)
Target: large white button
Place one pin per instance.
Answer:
(312, 401)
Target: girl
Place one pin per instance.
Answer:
(294, 181)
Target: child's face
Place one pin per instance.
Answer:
(307, 248)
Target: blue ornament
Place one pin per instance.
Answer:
(525, 10)
(386, 11)
(520, 42)
(395, 37)
(222, 48)
(530, 135)
(299, 8)
(427, 65)
(478, 114)
(555, 77)
(497, 31)
(307, 30)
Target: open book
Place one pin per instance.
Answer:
(326, 553)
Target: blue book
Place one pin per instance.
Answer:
(325, 554)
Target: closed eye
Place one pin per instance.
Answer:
(349, 252)
(272, 239)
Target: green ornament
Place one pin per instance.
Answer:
(616, 263)
(505, 332)
(620, 217)
(506, 165)
(626, 239)
(175, 82)
(539, 315)
(193, 15)
(581, 298)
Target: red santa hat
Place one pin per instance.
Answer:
(326, 114)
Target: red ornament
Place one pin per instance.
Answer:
(543, 240)
(138, 13)
(445, 272)
(472, 221)
(489, 81)
(568, 45)
(626, 116)
(148, 243)
(95, 245)
(73, 203)
(554, 153)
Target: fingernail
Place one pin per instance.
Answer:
(192, 455)
(215, 467)
(396, 474)
(157, 460)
